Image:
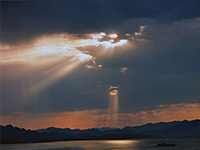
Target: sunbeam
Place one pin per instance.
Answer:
(57, 55)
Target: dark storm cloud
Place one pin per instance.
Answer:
(22, 20)
(162, 69)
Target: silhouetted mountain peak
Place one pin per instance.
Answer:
(10, 134)
(9, 126)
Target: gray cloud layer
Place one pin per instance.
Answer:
(164, 67)
(22, 20)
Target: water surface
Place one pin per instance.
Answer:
(135, 144)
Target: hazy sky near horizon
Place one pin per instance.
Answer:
(59, 59)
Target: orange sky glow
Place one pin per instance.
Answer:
(101, 118)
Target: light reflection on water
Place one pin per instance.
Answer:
(140, 144)
(122, 142)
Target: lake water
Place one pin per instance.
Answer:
(136, 144)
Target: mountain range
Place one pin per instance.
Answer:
(10, 134)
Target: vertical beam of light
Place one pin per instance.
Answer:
(113, 105)
(113, 102)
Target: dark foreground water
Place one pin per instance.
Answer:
(136, 144)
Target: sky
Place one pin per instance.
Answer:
(103, 63)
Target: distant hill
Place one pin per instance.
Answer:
(10, 134)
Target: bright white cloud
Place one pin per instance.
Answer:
(113, 35)
(48, 50)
